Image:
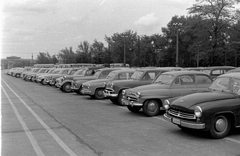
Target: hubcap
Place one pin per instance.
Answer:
(100, 93)
(221, 125)
(152, 107)
(67, 87)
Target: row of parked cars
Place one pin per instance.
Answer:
(206, 99)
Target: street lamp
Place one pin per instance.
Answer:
(177, 44)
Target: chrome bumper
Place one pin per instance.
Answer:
(109, 94)
(187, 124)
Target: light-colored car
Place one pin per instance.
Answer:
(95, 88)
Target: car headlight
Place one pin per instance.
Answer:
(123, 92)
(198, 111)
(104, 84)
(138, 94)
(166, 104)
(64, 77)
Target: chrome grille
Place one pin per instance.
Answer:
(181, 114)
(130, 98)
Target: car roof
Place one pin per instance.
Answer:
(220, 67)
(124, 70)
(176, 73)
(233, 75)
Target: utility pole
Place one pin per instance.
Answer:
(177, 51)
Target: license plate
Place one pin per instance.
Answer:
(176, 121)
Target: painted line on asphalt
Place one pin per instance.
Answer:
(30, 136)
(54, 135)
(233, 140)
(162, 119)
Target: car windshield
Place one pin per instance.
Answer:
(137, 75)
(221, 84)
(56, 71)
(227, 84)
(79, 72)
(98, 72)
(164, 79)
(207, 71)
(72, 72)
(111, 75)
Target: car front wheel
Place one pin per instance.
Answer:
(151, 108)
(99, 94)
(220, 127)
(134, 109)
(66, 88)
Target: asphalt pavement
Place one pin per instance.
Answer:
(44, 121)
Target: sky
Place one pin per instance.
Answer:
(32, 26)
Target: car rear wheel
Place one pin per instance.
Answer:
(134, 109)
(66, 88)
(43, 82)
(151, 108)
(99, 93)
(220, 127)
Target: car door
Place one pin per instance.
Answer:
(183, 85)
(203, 82)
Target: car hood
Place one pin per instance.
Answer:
(97, 81)
(191, 100)
(84, 78)
(146, 88)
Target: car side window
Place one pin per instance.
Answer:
(122, 76)
(184, 80)
(236, 86)
(203, 79)
(149, 76)
(65, 72)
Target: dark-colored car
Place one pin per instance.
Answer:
(142, 76)
(215, 71)
(94, 88)
(215, 112)
(150, 97)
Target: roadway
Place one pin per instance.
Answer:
(44, 121)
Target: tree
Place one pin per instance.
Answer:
(221, 15)
(43, 58)
(67, 55)
(83, 53)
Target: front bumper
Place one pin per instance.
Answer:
(109, 94)
(86, 92)
(131, 103)
(184, 123)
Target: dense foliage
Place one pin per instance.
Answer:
(208, 36)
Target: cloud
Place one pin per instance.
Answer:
(147, 21)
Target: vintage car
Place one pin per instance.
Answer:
(41, 76)
(64, 83)
(95, 88)
(33, 71)
(76, 84)
(215, 112)
(215, 71)
(141, 76)
(65, 72)
(32, 76)
(150, 98)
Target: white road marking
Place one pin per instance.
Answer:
(30, 136)
(54, 135)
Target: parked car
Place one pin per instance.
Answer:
(65, 84)
(150, 97)
(94, 88)
(141, 76)
(215, 71)
(64, 72)
(33, 71)
(32, 76)
(76, 84)
(41, 76)
(16, 73)
(215, 112)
